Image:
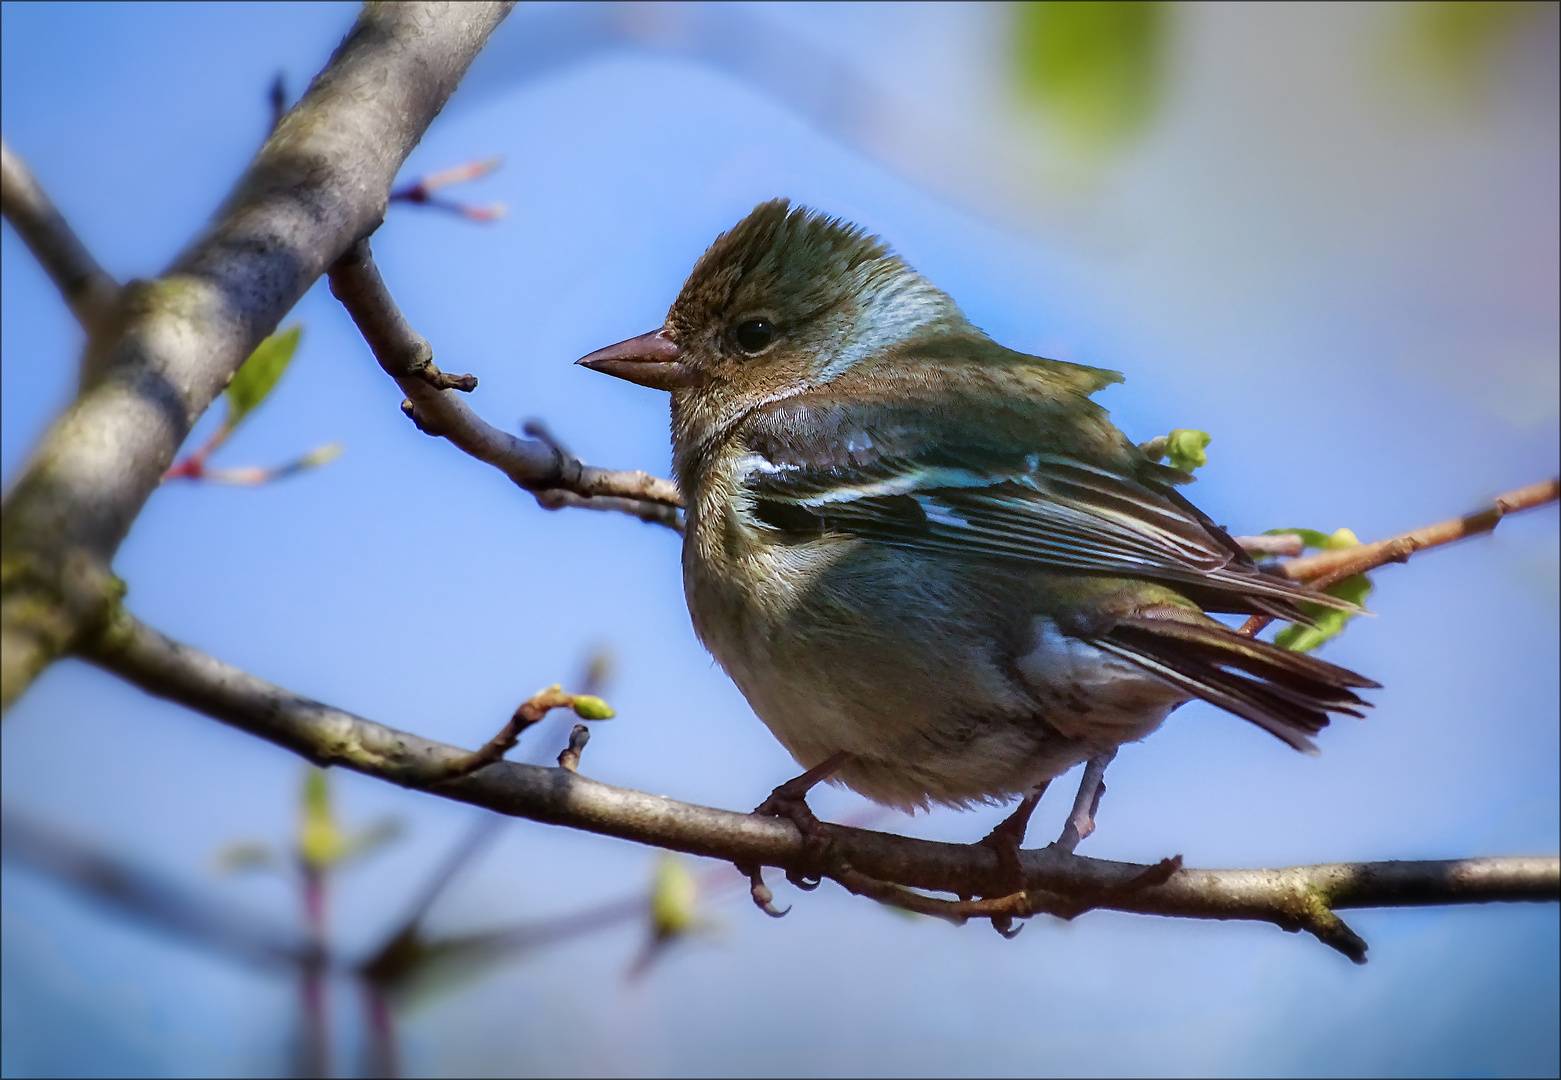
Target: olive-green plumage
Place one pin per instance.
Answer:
(910, 543)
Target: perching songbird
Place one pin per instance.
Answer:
(933, 566)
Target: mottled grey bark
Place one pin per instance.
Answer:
(320, 182)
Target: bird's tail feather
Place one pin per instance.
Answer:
(1286, 693)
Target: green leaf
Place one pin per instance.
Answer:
(259, 374)
(1330, 621)
(1184, 448)
(1092, 65)
(592, 708)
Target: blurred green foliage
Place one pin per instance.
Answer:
(1456, 39)
(672, 899)
(1093, 66)
(322, 843)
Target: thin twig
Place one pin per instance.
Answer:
(1287, 544)
(89, 290)
(1293, 898)
(538, 464)
(421, 191)
(1331, 567)
(527, 714)
(569, 756)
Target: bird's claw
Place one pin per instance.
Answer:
(805, 882)
(1004, 924)
(763, 899)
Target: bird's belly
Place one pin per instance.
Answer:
(896, 662)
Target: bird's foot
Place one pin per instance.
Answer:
(1008, 838)
(789, 801)
(1005, 841)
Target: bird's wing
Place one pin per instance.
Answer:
(1006, 483)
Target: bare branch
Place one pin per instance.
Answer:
(165, 905)
(86, 286)
(320, 182)
(1330, 567)
(539, 463)
(872, 863)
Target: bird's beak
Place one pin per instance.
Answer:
(652, 360)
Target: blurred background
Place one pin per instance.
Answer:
(1324, 233)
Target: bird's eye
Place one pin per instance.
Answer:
(752, 336)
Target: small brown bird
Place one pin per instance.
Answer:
(932, 565)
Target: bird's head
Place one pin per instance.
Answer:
(785, 301)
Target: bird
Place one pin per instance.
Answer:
(936, 570)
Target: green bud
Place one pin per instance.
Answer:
(320, 842)
(588, 707)
(672, 898)
(1184, 448)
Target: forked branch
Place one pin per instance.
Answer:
(88, 289)
(538, 463)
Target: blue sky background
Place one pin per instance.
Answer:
(1343, 270)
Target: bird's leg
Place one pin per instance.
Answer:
(790, 800)
(1081, 822)
(1008, 837)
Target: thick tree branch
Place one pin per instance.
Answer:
(320, 182)
(538, 464)
(875, 864)
(87, 287)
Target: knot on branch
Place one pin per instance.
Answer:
(424, 368)
(1309, 911)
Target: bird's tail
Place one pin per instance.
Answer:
(1288, 694)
